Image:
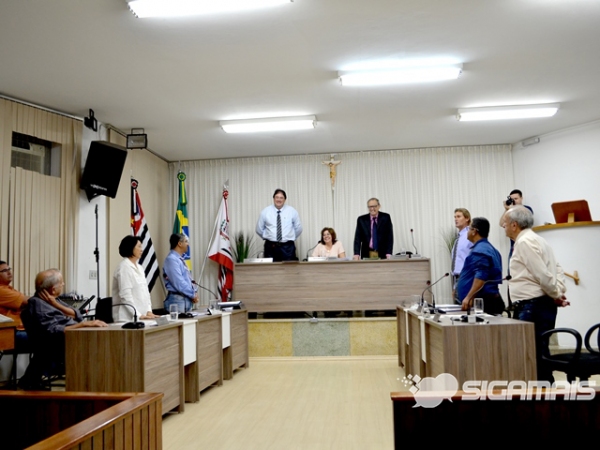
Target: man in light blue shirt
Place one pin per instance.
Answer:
(176, 274)
(462, 246)
(279, 225)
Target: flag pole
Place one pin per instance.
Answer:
(225, 188)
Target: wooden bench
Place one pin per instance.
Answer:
(74, 420)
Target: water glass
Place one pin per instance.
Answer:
(174, 311)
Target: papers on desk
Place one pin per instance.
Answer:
(449, 308)
(3, 318)
(326, 258)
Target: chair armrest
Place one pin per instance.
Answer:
(546, 338)
(588, 336)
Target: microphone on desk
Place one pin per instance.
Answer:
(428, 288)
(206, 289)
(416, 253)
(310, 250)
(87, 302)
(135, 325)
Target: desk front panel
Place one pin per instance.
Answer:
(329, 286)
(7, 335)
(117, 360)
(210, 352)
(239, 339)
(163, 366)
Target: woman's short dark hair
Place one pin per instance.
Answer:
(127, 245)
(331, 232)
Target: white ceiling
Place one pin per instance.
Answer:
(178, 77)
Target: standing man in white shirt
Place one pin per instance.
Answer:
(279, 225)
(537, 286)
(462, 247)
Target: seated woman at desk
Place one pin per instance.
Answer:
(329, 246)
(129, 283)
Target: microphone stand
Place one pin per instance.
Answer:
(135, 325)
(416, 254)
(206, 289)
(309, 250)
(428, 288)
(97, 254)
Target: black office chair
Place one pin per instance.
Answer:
(574, 364)
(588, 337)
(104, 310)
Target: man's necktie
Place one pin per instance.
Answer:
(279, 232)
(454, 255)
(374, 237)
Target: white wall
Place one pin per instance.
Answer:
(564, 166)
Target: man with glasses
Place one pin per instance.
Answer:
(12, 302)
(279, 226)
(482, 271)
(374, 236)
(176, 274)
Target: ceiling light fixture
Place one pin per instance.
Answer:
(400, 75)
(177, 8)
(269, 124)
(507, 112)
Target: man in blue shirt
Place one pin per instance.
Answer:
(482, 271)
(176, 274)
(279, 225)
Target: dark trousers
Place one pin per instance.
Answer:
(281, 251)
(542, 312)
(492, 303)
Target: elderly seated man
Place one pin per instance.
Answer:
(46, 318)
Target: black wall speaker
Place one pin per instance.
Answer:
(103, 169)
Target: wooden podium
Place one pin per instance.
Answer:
(329, 285)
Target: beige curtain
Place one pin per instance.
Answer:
(39, 214)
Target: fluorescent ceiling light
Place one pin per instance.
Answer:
(269, 124)
(422, 74)
(175, 8)
(507, 112)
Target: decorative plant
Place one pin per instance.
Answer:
(243, 246)
(449, 236)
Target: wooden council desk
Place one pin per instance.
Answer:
(7, 335)
(329, 285)
(503, 349)
(116, 360)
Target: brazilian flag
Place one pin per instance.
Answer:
(181, 216)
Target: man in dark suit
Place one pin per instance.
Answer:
(380, 243)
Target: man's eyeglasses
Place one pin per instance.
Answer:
(8, 269)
